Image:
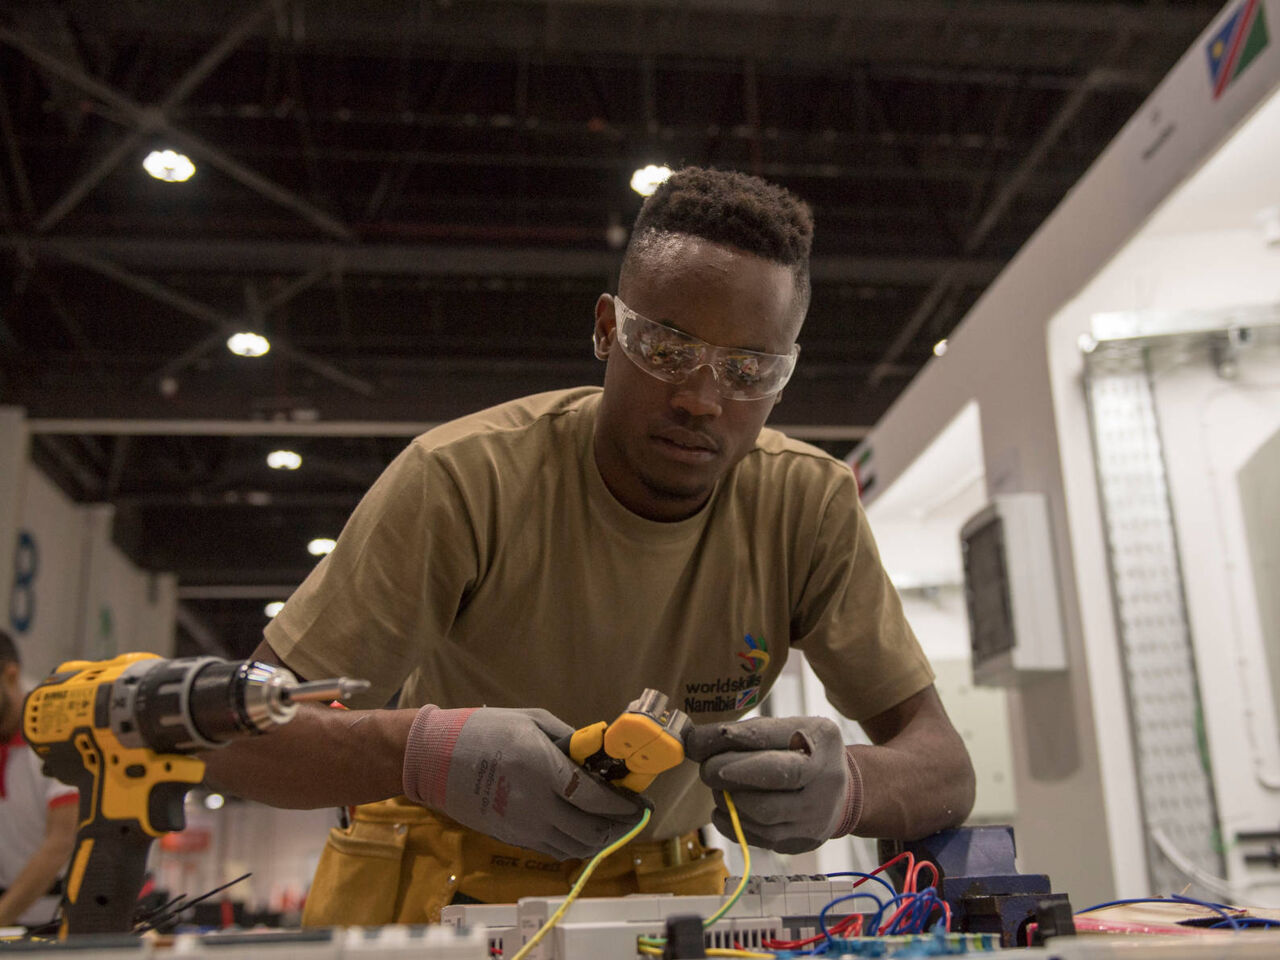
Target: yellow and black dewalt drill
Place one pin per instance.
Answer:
(123, 731)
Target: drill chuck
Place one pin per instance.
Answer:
(198, 703)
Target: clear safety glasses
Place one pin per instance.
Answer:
(674, 356)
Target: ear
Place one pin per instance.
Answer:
(606, 326)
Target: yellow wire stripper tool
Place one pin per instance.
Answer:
(645, 739)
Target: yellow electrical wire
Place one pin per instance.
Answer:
(653, 945)
(577, 887)
(746, 863)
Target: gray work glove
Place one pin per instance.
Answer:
(792, 779)
(497, 771)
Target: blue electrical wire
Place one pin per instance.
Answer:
(1217, 908)
(905, 917)
(925, 906)
(1246, 922)
(915, 916)
(822, 915)
(879, 914)
(919, 906)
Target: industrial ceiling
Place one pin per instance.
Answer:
(418, 202)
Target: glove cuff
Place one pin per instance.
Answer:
(429, 750)
(852, 799)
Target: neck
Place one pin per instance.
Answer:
(637, 496)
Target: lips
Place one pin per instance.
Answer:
(687, 439)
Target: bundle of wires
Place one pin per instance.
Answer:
(914, 907)
(1231, 916)
(653, 945)
(578, 885)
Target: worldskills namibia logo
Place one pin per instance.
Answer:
(1236, 44)
(755, 660)
(735, 692)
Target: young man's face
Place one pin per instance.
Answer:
(662, 446)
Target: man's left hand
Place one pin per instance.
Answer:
(792, 780)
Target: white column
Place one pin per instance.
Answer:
(98, 632)
(14, 438)
(156, 623)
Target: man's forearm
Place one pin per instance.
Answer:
(33, 882)
(905, 796)
(322, 758)
(917, 779)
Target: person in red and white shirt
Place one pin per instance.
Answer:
(38, 815)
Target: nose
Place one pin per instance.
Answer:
(697, 394)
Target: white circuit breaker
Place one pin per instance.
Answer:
(1011, 591)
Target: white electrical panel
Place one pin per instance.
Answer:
(604, 928)
(1011, 590)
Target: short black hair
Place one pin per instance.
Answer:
(731, 208)
(8, 649)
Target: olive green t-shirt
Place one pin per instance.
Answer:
(489, 565)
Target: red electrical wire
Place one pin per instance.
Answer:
(911, 862)
(854, 920)
(914, 878)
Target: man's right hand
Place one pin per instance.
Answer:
(498, 771)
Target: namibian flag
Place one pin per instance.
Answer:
(1240, 39)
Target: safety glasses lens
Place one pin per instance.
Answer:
(673, 356)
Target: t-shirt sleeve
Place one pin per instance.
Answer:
(57, 794)
(849, 621)
(393, 584)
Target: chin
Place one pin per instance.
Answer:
(678, 490)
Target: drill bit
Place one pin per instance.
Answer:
(337, 688)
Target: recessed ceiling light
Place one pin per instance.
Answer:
(645, 180)
(940, 347)
(274, 607)
(246, 344)
(284, 460)
(214, 801)
(320, 546)
(169, 166)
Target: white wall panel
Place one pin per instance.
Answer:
(55, 527)
(86, 600)
(1210, 428)
(13, 468)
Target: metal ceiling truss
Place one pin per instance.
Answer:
(148, 119)
(486, 163)
(316, 262)
(830, 32)
(1009, 191)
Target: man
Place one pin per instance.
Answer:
(37, 813)
(530, 569)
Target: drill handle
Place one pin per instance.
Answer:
(106, 874)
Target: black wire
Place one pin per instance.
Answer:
(143, 928)
(154, 914)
